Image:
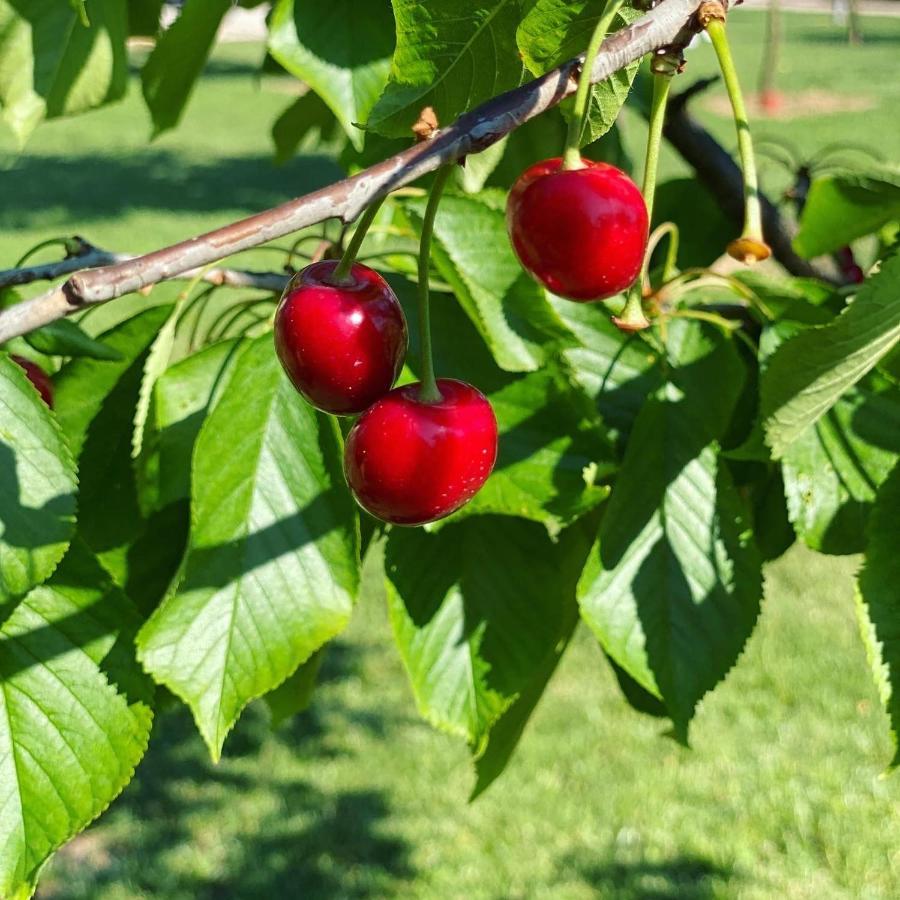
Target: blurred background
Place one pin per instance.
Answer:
(782, 794)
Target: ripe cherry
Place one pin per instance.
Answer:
(37, 376)
(582, 233)
(342, 345)
(410, 462)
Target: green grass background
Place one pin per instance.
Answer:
(782, 794)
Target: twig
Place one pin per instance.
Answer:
(344, 200)
(91, 257)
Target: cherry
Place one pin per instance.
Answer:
(37, 376)
(342, 345)
(410, 462)
(582, 233)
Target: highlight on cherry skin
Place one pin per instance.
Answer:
(342, 345)
(582, 233)
(37, 376)
(409, 462)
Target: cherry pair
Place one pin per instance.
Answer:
(342, 342)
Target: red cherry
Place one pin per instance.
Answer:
(581, 232)
(342, 345)
(37, 376)
(411, 462)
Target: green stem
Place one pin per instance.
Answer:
(428, 389)
(633, 317)
(661, 85)
(52, 242)
(572, 152)
(341, 274)
(715, 28)
(669, 264)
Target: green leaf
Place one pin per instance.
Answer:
(83, 384)
(555, 31)
(306, 118)
(155, 363)
(638, 698)
(52, 65)
(96, 402)
(69, 737)
(878, 601)
(507, 731)
(341, 49)
(844, 206)
(183, 396)
(704, 229)
(272, 563)
(178, 59)
(478, 609)
(618, 371)
(472, 254)
(143, 17)
(470, 56)
(294, 695)
(771, 523)
(37, 486)
(833, 470)
(65, 338)
(805, 376)
(473, 174)
(673, 583)
(553, 453)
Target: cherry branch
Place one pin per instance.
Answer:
(90, 257)
(669, 22)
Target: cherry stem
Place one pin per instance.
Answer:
(572, 151)
(428, 389)
(341, 274)
(715, 28)
(633, 312)
(661, 84)
(670, 263)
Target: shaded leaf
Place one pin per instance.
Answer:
(51, 64)
(673, 583)
(272, 565)
(618, 371)
(37, 486)
(341, 49)
(478, 611)
(553, 454)
(507, 731)
(295, 694)
(844, 206)
(878, 601)
(65, 338)
(832, 472)
(306, 118)
(177, 60)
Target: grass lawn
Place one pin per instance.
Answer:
(782, 794)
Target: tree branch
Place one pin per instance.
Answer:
(666, 23)
(91, 257)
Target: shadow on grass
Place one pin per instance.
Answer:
(77, 187)
(252, 826)
(680, 878)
